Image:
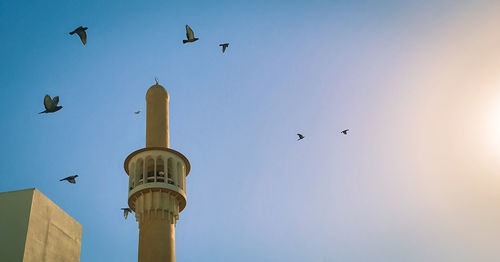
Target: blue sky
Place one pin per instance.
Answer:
(417, 83)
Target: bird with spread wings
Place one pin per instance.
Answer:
(80, 31)
(70, 179)
(126, 210)
(51, 104)
(189, 35)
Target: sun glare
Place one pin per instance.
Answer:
(493, 126)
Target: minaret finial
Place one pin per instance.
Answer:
(156, 80)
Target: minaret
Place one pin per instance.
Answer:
(157, 183)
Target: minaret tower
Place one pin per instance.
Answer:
(157, 183)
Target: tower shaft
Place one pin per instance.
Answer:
(156, 210)
(157, 133)
(156, 240)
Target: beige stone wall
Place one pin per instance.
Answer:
(53, 235)
(50, 235)
(14, 217)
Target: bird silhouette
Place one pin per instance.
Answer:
(81, 33)
(126, 210)
(300, 137)
(224, 46)
(137, 112)
(70, 179)
(189, 35)
(344, 131)
(50, 104)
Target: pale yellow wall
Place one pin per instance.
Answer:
(53, 235)
(14, 216)
(42, 231)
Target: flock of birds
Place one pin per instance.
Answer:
(80, 31)
(51, 104)
(343, 132)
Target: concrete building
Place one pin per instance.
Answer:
(157, 182)
(34, 229)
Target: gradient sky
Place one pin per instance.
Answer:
(417, 83)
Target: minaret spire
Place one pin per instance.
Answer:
(157, 133)
(157, 182)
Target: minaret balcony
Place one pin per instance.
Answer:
(157, 169)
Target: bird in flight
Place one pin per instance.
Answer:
(81, 33)
(224, 46)
(137, 112)
(70, 179)
(189, 35)
(300, 137)
(344, 131)
(51, 104)
(126, 210)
